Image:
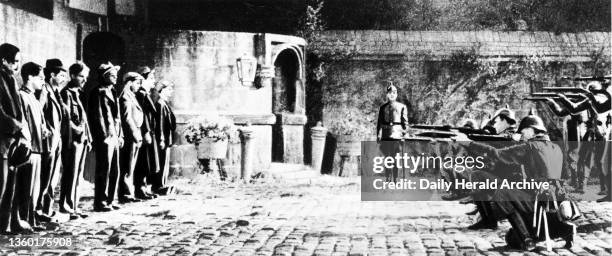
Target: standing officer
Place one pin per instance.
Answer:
(167, 124)
(54, 110)
(105, 123)
(392, 122)
(147, 164)
(12, 128)
(132, 118)
(76, 139)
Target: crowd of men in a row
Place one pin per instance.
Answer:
(535, 215)
(51, 122)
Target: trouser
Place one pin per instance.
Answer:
(107, 174)
(27, 190)
(74, 164)
(146, 167)
(129, 155)
(590, 158)
(572, 163)
(49, 177)
(7, 192)
(160, 178)
(390, 148)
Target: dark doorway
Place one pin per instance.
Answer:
(98, 48)
(101, 47)
(286, 69)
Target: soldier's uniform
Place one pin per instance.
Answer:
(542, 160)
(392, 122)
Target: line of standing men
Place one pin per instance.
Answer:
(49, 124)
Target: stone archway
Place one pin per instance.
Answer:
(288, 105)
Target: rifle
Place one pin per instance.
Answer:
(488, 137)
(539, 98)
(554, 95)
(588, 78)
(567, 89)
(448, 128)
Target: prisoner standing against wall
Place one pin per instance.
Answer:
(105, 124)
(28, 178)
(54, 110)
(13, 130)
(76, 139)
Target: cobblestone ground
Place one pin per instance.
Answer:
(318, 217)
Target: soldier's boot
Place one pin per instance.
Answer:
(602, 184)
(608, 181)
(518, 224)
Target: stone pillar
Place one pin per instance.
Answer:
(317, 139)
(246, 159)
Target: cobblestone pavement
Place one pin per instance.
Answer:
(318, 217)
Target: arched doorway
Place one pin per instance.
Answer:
(98, 48)
(101, 47)
(287, 105)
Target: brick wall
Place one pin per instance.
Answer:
(41, 38)
(488, 44)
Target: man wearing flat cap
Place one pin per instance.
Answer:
(147, 165)
(54, 110)
(105, 124)
(132, 118)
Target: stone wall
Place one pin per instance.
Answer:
(41, 38)
(443, 77)
(386, 45)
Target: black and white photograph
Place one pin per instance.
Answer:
(306, 127)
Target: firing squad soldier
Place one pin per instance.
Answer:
(542, 161)
(76, 140)
(503, 123)
(598, 104)
(392, 122)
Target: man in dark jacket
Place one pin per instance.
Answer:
(54, 110)
(12, 127)
(105, 124)
(391, 126)
(76, 139)
(167, 124)
(147, 164)
(132, 118)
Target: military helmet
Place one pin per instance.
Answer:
(534, 122)
(508, 113)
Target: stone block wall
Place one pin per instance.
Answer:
(41, 38)
(488, 44)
